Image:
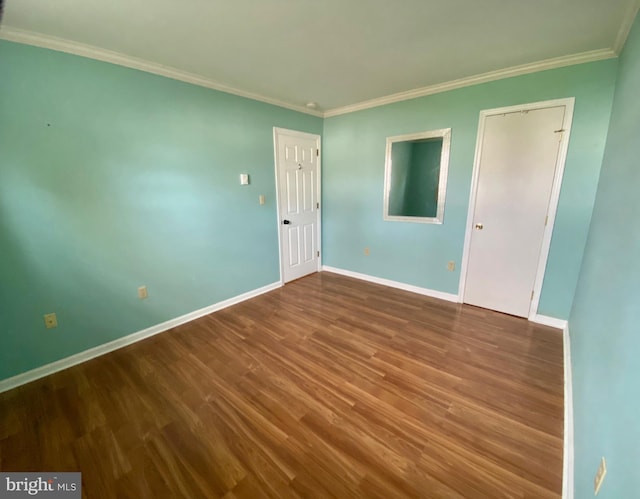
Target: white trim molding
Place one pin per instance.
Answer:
(625, 27)
(89, 51)
(393, 284)
(59, 365)
(83, 50)
(555, 63)
(568, 462)
(549, 321)
(554, 198)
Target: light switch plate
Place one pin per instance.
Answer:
(244, 179)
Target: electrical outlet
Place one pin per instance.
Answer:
(261, 199)
(600, 474)
(142, 292)
(366, 252)
(451, 266)
(50, 321)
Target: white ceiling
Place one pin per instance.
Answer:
(333, 52)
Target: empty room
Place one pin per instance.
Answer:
(327, 250)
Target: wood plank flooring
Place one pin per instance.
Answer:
(328, 387)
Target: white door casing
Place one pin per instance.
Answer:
(297, 161)
(520, 157)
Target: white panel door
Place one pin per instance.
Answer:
(519, 154)
(297, 165)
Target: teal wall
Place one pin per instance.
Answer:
(421, 195)
(605, 320)
(417, 254)
(111, 178)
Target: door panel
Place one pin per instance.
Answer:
(308, 197)
(294, 248)
(516, 173)
(297, 164)
(309, 242)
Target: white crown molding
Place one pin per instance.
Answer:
(59, 365)
(558, 62)
(393, 284)
(627, 24)
(70, 47)
(568, 458)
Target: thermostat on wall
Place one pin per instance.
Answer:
(244, 179)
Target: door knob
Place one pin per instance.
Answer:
(286, 222)
(479, 226)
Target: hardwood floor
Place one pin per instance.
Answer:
(328, 387)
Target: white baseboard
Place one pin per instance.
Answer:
(393, 284)
(549, 321)
(568, 462)
(59, 365)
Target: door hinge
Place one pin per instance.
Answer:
(531, 296)
(317, 152)
(546, 220)
(318, 205)
(318, 253)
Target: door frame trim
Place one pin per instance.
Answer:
(569, 104)
(277, 132)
